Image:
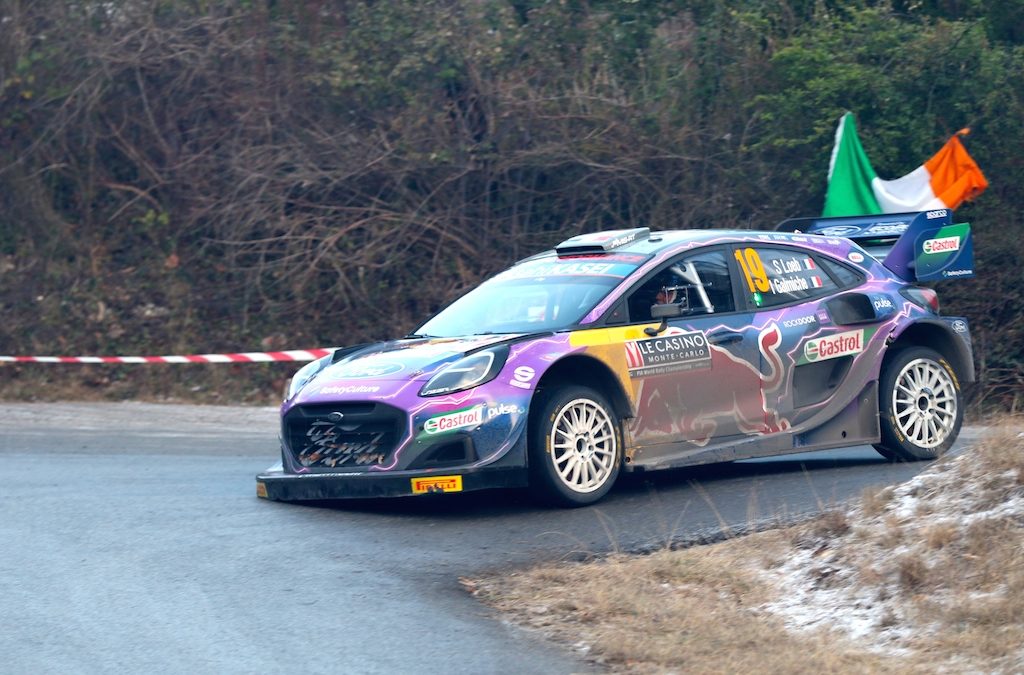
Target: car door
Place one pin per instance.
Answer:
(803, 350)
(697, 381)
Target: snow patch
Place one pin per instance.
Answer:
(851, 582)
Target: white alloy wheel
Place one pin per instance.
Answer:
(583, 445)
(924, 401)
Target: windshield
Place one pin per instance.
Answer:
(537, 295)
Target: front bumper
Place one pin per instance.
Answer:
(275, 485)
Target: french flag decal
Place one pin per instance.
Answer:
(809, 264)
(634, 359)
(816, 282)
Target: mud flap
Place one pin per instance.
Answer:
(857, 424)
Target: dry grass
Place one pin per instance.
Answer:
(874, 500)
(924, 577)
(695, 611)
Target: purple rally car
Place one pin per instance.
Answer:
(635, 350)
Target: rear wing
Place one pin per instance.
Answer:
(923, 246)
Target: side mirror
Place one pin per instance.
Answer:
(666, 312)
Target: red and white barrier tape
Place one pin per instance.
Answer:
(244, 357)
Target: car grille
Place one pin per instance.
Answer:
(352, 436)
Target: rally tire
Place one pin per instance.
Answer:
(920, 405)
(575, 446)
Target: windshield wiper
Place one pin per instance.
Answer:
(414, 336)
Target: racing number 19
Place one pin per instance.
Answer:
(753, 270)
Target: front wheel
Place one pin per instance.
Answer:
(574, 446)
(920, 406)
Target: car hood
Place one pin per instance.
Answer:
(388, 367)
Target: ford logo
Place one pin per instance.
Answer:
(839, 230)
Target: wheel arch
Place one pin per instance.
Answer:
(589, 372)
(939, 336)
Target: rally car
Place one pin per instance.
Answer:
(636, 350)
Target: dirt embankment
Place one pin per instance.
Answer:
(927, 576)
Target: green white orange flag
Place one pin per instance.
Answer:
(946, 180)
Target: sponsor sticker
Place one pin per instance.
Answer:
(945, 252)
(623, 240)
(883, 303)
(668, 354)
(835, 346)
(883, 229)
(460, 419)
(823, 316)
(960, 326)
(367, 369)
(802, 321)
(522, 376)
(840, 230)
(938, 213)
(609, 239)
(504, 409)
(560, 268)
(436, 484)
(349, 389)
(941, 245)
(856, 257)
(606, 257)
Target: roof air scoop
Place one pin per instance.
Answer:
(601, 242)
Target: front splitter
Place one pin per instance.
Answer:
(276, 485)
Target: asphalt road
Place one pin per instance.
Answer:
(132, 541)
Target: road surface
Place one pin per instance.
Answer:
(132, 540)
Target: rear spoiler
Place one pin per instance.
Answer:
(922, 246)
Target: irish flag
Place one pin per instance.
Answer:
(945, 181)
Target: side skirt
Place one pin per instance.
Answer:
(856, 424)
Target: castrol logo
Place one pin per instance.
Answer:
(834, 346)
(942, 245)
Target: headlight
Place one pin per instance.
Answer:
(305, 374)
(468, 372)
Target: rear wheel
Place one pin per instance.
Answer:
(920, 405)
(574, 446)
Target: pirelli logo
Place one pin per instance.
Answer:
(436, 484)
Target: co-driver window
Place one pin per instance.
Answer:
(701, 281)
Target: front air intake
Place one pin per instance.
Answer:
(349, 436)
